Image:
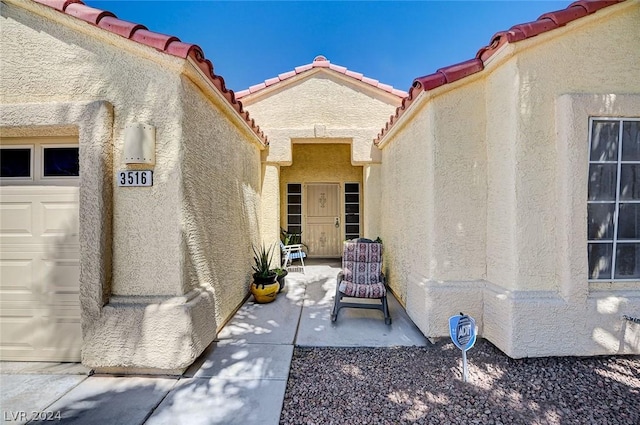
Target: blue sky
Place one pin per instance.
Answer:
(394, 42)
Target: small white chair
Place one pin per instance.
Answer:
(290, 253)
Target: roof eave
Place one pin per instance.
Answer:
(322, 63)
(251, 98)
(492, 52)
(225, 99)
(164, 49)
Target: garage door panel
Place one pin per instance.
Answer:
(17, 309)
(37, 272)
(16, 219)
(58, 332)
(40, 338)
(18, 332)
(39, 255)
(63, 309)
(56, 250)
(16, 275)
(39, 214)
(60, 220)
(61, 275)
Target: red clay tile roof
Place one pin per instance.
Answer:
(449, 74)
(164, 43)
(320, 62)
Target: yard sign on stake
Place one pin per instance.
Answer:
(462, 329)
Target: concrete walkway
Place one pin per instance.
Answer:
(240, 379)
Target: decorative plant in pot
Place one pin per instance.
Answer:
(264, 287)
(281, 273)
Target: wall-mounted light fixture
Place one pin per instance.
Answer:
(139, 144)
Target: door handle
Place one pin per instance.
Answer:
(337, 223)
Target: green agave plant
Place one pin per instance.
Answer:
(262, 261)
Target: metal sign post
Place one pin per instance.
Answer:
(462, 329)
(465, 367)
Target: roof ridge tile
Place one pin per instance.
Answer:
(338, 68)
(59, 5)
(564, 16)
(272, 81)
(592, 6)
(242, 93)
(385, 87)
(371, 81)
(460, 70)
(153, 39)
(286, 75)
(302, 68)
(531, 29)
(257, 87)
(182, 49)
(86, 13)
(353, 74)
(322, 62)
(118, 26)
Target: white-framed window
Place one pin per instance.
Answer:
(16, 163)
(613, 205)
(48, 161)
(294, 208)
(351, 210)
(60, 161)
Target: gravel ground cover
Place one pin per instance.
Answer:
(423, 385)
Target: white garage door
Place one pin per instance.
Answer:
(39, 250)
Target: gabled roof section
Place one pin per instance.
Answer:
(165, 43)
(320, 62)
(546, 22)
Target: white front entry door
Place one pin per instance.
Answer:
(322, 208)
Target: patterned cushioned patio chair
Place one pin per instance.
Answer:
(361, 277)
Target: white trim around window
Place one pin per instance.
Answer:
(46, 146)
(37, 147)
(25, 179)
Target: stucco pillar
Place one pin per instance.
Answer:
(270, 225)
(371, 194)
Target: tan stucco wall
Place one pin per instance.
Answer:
(220, 212)
(316, 107)
(270, 197)
(534, 298)
(172, 245)
(82, 67)
(615, 70)
(320, 103)
(434, 187)
(372, 202)
(406, 254)
(323, 162)
(564, 307)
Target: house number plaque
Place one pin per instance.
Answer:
(135, 178)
